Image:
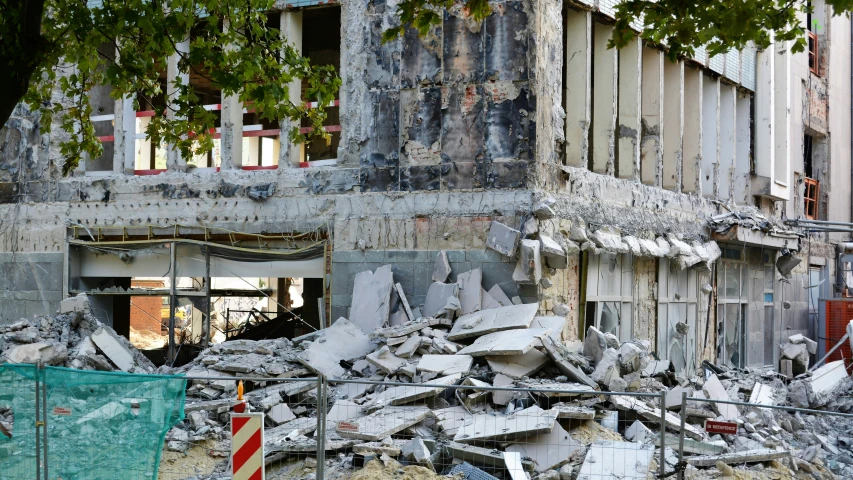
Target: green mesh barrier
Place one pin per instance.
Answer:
(100, 425)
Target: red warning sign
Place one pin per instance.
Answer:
(62, 411)
(724, 428)
(347, 427)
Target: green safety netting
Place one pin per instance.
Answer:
(100, 425)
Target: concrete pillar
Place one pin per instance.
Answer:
(673, 124)
(730, 133)
(606, 81)
(765, 144)
(289, 155)
(630, 99)
(231, 127)
(578, 86)
(692, 143)
(125, 133)
(174, 159)
(710, 137)
(651, 151)
(782, 124)
(741, 194)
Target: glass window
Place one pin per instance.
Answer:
(732, 279)
(609, 317)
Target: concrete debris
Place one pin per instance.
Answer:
(530, 260)
(494, 320)
(748, 456)
(552, 252)
(441, 271)
(382, 423)
(518, 366)
(437, 297)
(523, 423)
(486, 457)
(445, 364)
(623, 460)
(498, 294)
(547, 450)
(342, 341)
(714, 390)
(470, 290)
(371, 299)
(503, 239)
(509, 342)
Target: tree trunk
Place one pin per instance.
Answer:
(15, 82)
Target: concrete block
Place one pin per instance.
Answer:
(441, 271)
(279, 414)
(518, 366)
(383, 423)
(113, 349)
(78, 304)
(342, 341)
(530, 260)
(556, 324)
(825, 379)
(493, 320)
(623, 460)
(371, 295)
(407, 394)
(638, 433)
(386, 361)
(416, 450)
(503, 239)
(714, 390)
(524, 423)
(547, 450)
(409, 347)
(437, 297)
(762, 394)
(486, 457)
(552, 252)
(747, 456)
(44, 352)
(470, 289)
(594, 344)
(566, 363)
(567, 410)
(445, 364)
(653, 414)
(488, 301)
(498, 294)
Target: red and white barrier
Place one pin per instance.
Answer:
(247, 446)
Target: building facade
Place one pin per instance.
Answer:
(435, 137)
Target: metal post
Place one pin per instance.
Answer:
(662, 434)
(681, 436)
(321, 427)
(44, 421)
(321, 305)
(38, 425)
(205, 325)
(172, 301)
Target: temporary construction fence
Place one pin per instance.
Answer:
(94, 425)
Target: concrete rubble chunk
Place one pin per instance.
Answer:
(498, 294)
(543, 209)
(508, 342)
(762, 394)
(445, 364)
(342, 341)
(503, 239)
(518, 366)
(382, 423)
(714, 390)
(409, 347)
(825, 379)
(441, 271)
(665, 246)
(487, 457)
(609, 241)
(417, 451)
(556, 324)
(566, 362)
(557, 389)
(638, 433)
(748, 456)
(410, 316)
(488, 301)
(567, 410)
(650, 248)
(280, 413)
(594, 344)
(48, 353)
(656, 367)
(607, 369)
(523, 423)
(450, 419)
(622, 460)
(530, 260)
(694, 446)
(470, 290)
(407, 394)
(344, 410)
(386, 361)
(502, 397)
(514, 466)
(633, 244)
(437, 296)
(673, 422)
(407, 328)
(77, 304)
(547, 450)
(552, 252)
(493, 320)
(371, 299)
(105, 339)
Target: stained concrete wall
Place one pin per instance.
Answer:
(31, 284)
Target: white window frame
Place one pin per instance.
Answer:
(600, 264)
(669, 300)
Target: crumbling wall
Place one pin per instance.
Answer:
(561, 293)
(645, 299)
(31, 284)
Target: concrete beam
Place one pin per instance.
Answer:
(289, 155)
(743, 136)
(692, 144)
(765, 93)
(711, 137)
(728, 139)
(606, 78)
(782, 121)
(578, 86)
(651, 151)
(630, 104)
(673, 124)
(174, 159)
(125, 137)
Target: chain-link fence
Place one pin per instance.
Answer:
(61, 423)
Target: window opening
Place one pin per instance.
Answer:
(609, 294)
(103, 117)
(677, 313)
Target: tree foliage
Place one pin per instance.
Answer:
(230, 45)
(681, 25)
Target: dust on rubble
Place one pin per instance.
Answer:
(146, 339)
(392, 470)
(589, 431)
(771, 470)
(196, 461)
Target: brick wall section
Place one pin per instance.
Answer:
(145, 311)
(413, 270)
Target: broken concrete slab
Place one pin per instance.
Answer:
(441, 271)
(470, 290)
(514, 466)
(714, 390)
(379, 448)
(518, 366)
(76, 304)
(417, 451)
(493, 320)
(563, 359)
(656, 367)
(530, 260)
(762, 394)
(487, 457)
(673, 397)
(508, 342)
(622, 460)
(386, 361)
(638, 433)
(609, 240)
(106, 341)
(488, 301)
(47, 353)
(556, 324)
(382, 423)
(567, 410)
(450, 419)
(498, 294)
(552, 252)
(527, 422)
(639, 406)
(557, 389)
(594, 344)
(409, 347)
(411, 393)
(547, 450)
(607, 369)
(371, 298)
(445, 364)
(694, 446)
(407, 328)
(437, 297)
(410, 316)
(342, 341)
(502, 239)
(825, 379)
(344, 410)
(280, 413)
(748, 456)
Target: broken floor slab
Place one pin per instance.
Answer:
(408, 394)
(622, 460)
(445, 364)
(509, 342)
(342, 341)
(747, 456)
(487, 457)
(518, 366)
(714, 390)
(565, 362)
(470, 290)
(567, 410)
(113, 349)
(382, 423)
(484, 426)
(547, 450)
(441, 270)
(762, 394)
(488, 301)
(493, 320)
(639, 406)
(386, 361)
(554, 323)
(824, 380)
(451, 419)
(557, 389)
(371, 298)
(437, 296)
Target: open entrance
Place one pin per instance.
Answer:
(172, 297)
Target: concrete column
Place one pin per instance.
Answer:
(730, 133)
(290, 155)
(231, 127)
(125, 133)
(782, 124)
(606, 80)
(578, 86)
(630, 99)
(765, 143)
(174, 159)
(743, 135)
(651, 151)
(692, 143)
(710, 137)
(673, 124)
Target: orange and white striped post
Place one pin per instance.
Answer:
(247, 446)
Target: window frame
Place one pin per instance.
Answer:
(669, 298)
(624, 298)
